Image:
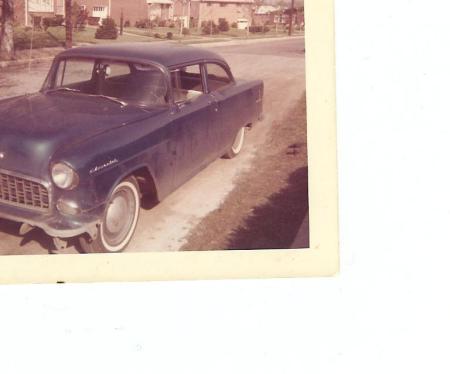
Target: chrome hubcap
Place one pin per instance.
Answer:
(119, 217)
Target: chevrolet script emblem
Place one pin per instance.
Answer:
(2, 155)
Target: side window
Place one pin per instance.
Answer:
(186, 83)
(217, 77)
(73, 71)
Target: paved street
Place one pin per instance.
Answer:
(164, 228)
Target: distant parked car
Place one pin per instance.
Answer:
(113, 123)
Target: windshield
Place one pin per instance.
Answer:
(128, 82)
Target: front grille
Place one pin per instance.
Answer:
(23, 192)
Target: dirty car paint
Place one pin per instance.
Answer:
(104, 142)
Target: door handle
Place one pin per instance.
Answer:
(216, 105)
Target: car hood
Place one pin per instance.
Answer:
(33, 127)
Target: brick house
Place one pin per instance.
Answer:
(214, 10)
(27, 10)
(264, 14)
(132, 10)
(189, 11)
(162, 9)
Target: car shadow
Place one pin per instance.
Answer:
(276, 223)
(35, 235)
(44, 241)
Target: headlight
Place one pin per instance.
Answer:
(64, 176)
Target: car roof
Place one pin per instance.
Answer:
(163, 53)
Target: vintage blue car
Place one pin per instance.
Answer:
(111, 124)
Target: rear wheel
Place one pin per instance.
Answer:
(237, 145)
(119, 222)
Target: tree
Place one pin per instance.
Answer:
(6, 30)
(68, 7)
(79, 16)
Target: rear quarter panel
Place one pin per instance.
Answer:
(240, 105)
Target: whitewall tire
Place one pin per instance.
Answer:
(119, 221)
(237, 145)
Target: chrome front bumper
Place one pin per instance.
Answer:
(54, 223)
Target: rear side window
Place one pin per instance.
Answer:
(217, 77)
(116, 69)
(186, 83)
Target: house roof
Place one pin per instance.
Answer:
(266, 9)
(162, 53)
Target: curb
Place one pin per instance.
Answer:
(245, 41)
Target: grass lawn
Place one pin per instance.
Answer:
(196, 34)
(88, 36)
(55, 36)
(24, 37)
(162, 31)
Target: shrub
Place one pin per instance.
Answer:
(52, 21)
(209, 28)
(234, 25)
(169, 35)
(126, 23)
(258, 29)
(223, 25)
(107, 30)
(142, 23)
(171, 25)
(162, 23)
(157, 36)
(93, 21)
(185, 31)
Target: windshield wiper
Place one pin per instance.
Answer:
(113, 99)
(63, 89)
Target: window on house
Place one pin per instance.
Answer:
(218, 77)
(186, 83)
(99, 9)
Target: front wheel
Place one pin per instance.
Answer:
(119, 222)
(237, 145)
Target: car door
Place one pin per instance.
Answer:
(228, 104)
(192, 122)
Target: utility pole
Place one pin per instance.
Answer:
(291, 18)
(121, 21)
(189, 15)
(68, 6)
